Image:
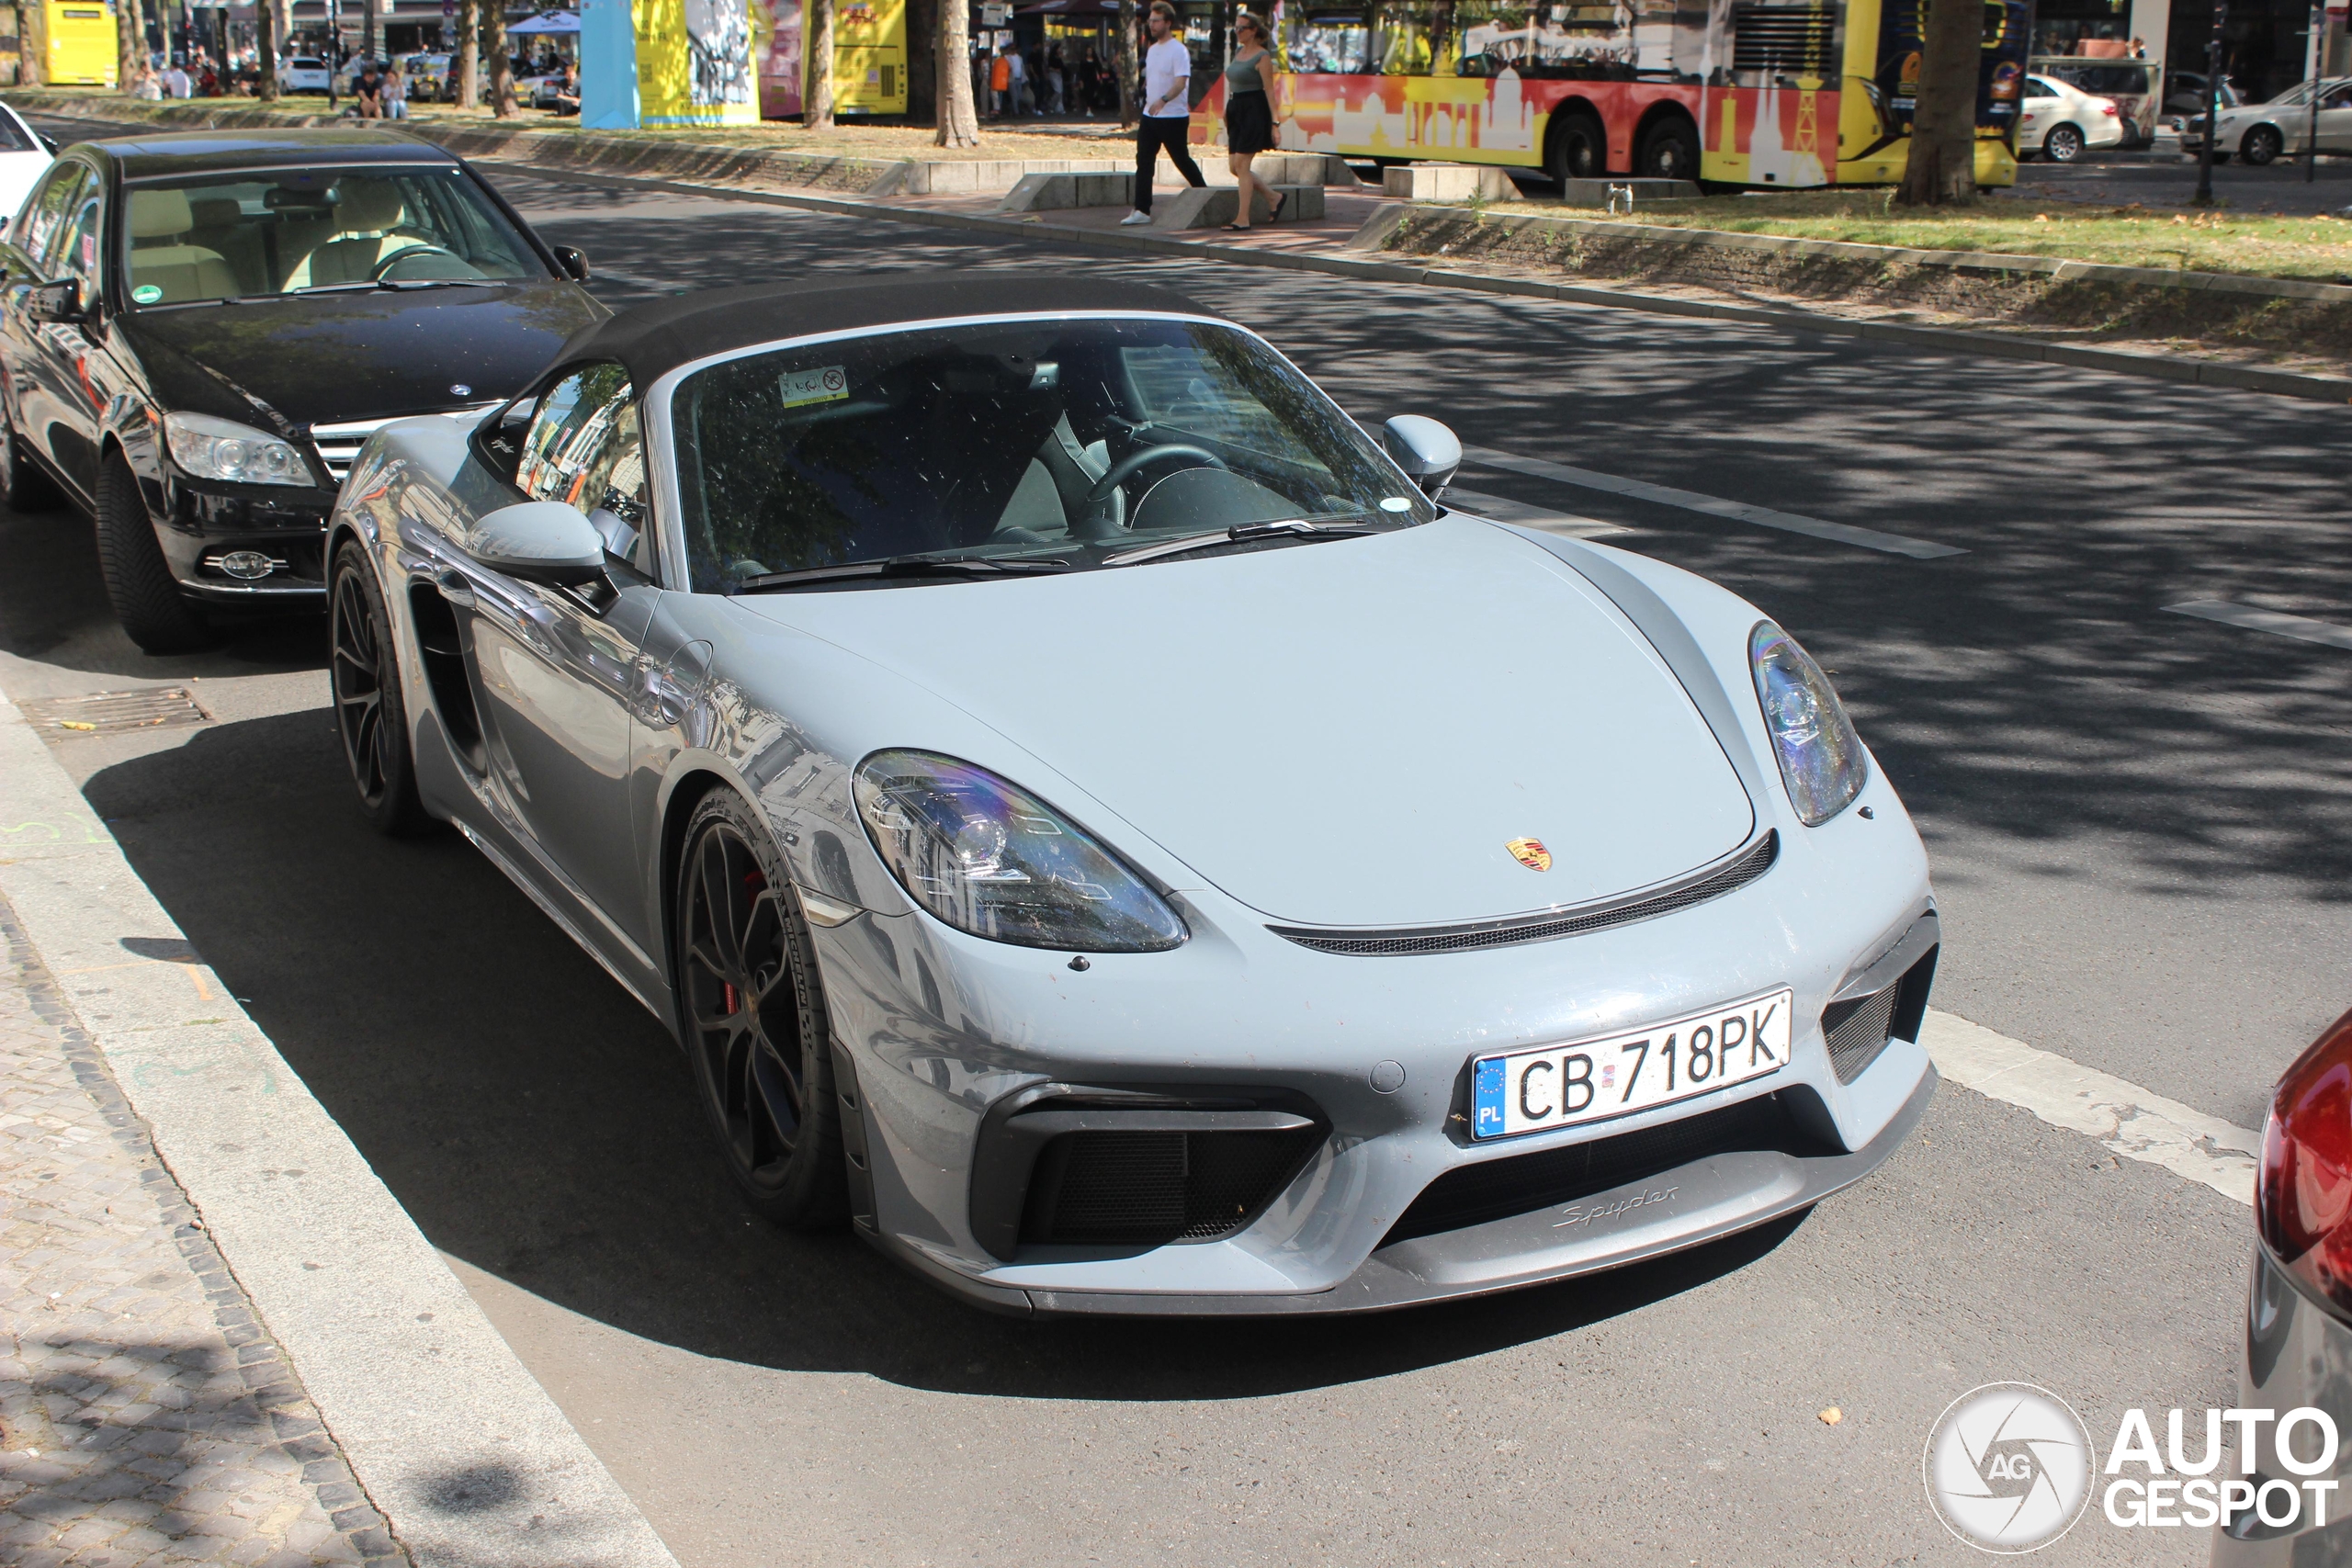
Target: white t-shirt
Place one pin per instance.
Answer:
(1168, 74)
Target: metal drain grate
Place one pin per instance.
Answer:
(111, 713)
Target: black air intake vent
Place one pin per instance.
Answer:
(1857, 1028)
(1786, 41)
(1151, 1187)
(1520, 1184)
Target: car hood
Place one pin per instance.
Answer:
(326, 359)
(1343, 733)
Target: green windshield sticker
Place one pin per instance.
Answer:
(827, 385)
(147, 293)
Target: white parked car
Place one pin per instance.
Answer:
(2261, 132)
(2061, 123)
(23, 153)
(302, 74)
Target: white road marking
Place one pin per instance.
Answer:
(2123, 1117)
(2277, 623)
(1715, 507)
(1502, 509)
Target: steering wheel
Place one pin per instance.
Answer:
(1126, 467)
(406, 253)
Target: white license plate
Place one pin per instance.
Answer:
(1568, 1086)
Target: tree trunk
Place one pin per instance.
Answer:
(502, 69)
(1124, 63)
(467, 64)
(266, 50)
(1942, 165)
(817, 55)
(923, 64)
(959, 121)
(367, 30)
(131, 31)
(32, 43)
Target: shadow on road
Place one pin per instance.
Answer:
(538, 1123)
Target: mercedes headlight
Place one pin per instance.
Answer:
(1821, 757)
(992, 859)
(212, 448)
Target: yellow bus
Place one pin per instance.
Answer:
(85, 47)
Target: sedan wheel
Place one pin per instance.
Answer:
(2063, 145)
(146, 599)
(754, 1019)
(368, 714)
(2263, 145)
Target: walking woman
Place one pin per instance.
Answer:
(1250, 114)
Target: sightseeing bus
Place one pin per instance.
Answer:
(1771, 93)
(84, 50)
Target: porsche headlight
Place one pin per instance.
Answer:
(988, 858)
(212, 448)
(1821, 757)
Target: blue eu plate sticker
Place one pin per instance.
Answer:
(147, 293)
(1486, 1099)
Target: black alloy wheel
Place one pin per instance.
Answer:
(1671, 151)
(1579, 149)
(2063, 144)
(369, 715)
(753, 1011)
(23, 486)
(147, 600)
(2263, 145)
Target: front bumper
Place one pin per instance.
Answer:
(1673, 1209)
(2298, 1353)
(203, 522)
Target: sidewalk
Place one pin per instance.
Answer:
(145, 1413)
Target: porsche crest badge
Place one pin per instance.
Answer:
(1531, 853)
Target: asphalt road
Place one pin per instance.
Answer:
(2140, 827)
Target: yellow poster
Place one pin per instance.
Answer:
(869, 56)
(84, 49)
(694, 62)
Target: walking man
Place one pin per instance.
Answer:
(1166, 110)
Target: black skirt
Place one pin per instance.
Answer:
(1248, 123)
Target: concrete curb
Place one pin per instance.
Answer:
(1942, 340)
(449, 1435)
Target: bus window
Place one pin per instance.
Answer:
(1330, 42)
(1400, 38)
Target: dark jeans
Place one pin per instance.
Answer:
(1153, 132)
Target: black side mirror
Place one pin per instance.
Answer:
(574, 261)
(47, 141)
(59, 301)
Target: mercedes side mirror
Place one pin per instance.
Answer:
(575, 262)
(59, 301)
(539, 541)
(49, 142)
(1426, 450)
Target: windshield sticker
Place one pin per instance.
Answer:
(1395, 504)
(146, 293)
(827, 385)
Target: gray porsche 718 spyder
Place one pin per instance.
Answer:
(1098, 824)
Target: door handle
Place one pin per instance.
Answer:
(456, 589)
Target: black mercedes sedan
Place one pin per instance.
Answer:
(198, 330)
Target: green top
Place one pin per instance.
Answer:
(1241, 75)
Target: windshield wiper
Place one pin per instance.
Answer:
(396, 285)
(1242, 533)
(902, 566)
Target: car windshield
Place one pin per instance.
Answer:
(1082, 440)
(255, 235)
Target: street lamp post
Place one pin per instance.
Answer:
(2212, 104)
(2310, 133)
(334, 47)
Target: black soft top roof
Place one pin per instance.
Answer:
(145, 156)
(655, 338)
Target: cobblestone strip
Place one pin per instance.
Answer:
(145, 1414)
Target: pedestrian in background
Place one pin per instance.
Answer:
(1250, 116)
(395, 93)
(1000, 82)
(1018, 69)
(1166, 110)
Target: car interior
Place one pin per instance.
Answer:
(259, 235)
